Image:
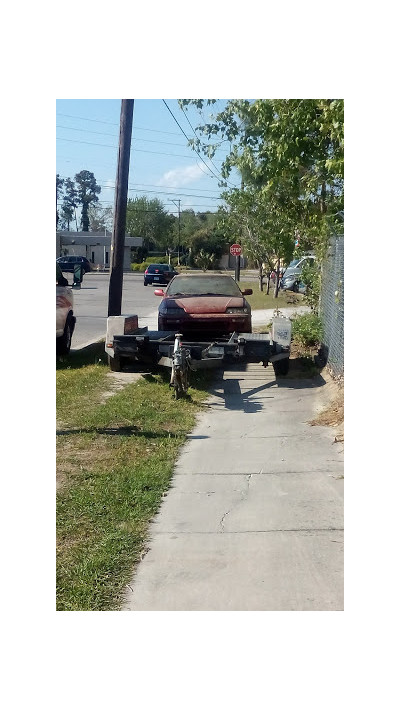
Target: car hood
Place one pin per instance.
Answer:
(206, 304)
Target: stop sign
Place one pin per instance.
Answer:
(235, 250)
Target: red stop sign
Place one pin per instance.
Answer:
(235, 250)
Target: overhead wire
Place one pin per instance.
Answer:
(201, 158)
(194, 132)
(101, 133)
(138, 150)
(161, 192)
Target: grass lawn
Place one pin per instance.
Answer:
(260, 300)
(115, 458)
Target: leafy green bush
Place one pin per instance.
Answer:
(157, 260)
(307, 330)
(139, 267)
(311, 277)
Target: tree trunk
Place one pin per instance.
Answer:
(260, 276)
(278, 269)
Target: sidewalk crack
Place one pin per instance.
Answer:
(244, 496)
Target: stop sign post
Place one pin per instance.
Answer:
(236, 251)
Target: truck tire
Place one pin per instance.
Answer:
(63, 343)
(115, 363)
(281, 367)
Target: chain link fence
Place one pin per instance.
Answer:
(332, 306)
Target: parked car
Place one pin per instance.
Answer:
(291, 279)
(65, 319)
(208, 305)
(158, 274)
(67, 263)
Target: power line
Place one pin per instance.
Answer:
(161, 192)
(111, 123)
(176, 121)
(194, 132)
(138, 150)
(101, 133)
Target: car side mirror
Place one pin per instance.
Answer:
(159, 292)
(247, 292)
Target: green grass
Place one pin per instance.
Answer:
(260, 300)
(115, 459)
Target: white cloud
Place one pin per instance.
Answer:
(181, 176)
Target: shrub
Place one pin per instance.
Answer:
(307, 330)
(311, 277)
(135, 267)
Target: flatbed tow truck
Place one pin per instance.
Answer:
(125, 342)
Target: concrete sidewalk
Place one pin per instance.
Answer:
(254, 516)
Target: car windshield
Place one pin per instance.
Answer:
(293, 263)
(203, 285)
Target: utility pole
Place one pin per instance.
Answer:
(179, 225)
(120, 204)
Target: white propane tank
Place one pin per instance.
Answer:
(282, 330)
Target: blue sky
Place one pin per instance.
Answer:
(162, 165)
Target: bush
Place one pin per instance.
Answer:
(311, 277)
(307, 330)
(139, 267)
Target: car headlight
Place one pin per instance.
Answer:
(237, 310)
(171, 310)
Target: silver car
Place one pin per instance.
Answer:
(291, 279)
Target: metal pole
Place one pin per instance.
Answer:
(237, 268)
(120, 205)
(179, 229)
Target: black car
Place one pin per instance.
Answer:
(67, 264)
(158, 274)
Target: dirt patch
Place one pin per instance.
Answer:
(332, 408)
(117, 381)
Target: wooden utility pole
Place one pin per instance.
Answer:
(120, 205)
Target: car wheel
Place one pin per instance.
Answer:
(281, 367)
(145, 283)
(295, 287)
(63, 346)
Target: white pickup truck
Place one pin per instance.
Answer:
(65, 319)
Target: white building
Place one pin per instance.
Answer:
(95, 246)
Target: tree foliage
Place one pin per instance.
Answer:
(290, 151)
(87, 192)
(69, 203)
(149, 220)
(59, 186)
(100, 218)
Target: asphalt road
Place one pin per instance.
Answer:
(91, 305)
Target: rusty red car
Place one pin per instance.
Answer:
(204, 306)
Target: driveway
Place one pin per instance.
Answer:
(254, 516)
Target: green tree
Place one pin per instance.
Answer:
(87, 191)
(150, 220)
(289, 149)
(207, 241)
(69, 203)
(59, 186)
(266, 233)
(100, 218)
